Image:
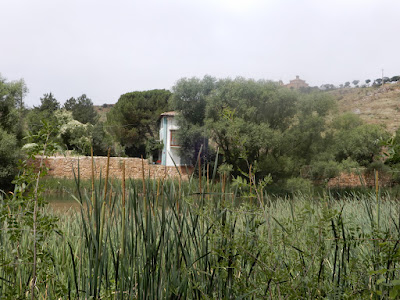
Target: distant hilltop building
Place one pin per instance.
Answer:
(297, 83)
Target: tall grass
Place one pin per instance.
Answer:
(157, 239)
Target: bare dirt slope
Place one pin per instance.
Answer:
(102, 110)
(375, 105)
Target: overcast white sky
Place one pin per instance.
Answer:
(108, 48)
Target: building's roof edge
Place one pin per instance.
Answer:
(169, 113)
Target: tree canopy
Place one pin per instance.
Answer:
(11, 104)
(189, 98)
(82, 109)
(133, 121)
(276, 130)
(244, 117)
(11, 127)
(48, 103)
(253, 123)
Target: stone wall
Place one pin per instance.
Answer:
(63, 167)
(356, 180)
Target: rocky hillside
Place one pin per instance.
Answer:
(376, 105)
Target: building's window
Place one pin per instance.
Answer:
(174, 138)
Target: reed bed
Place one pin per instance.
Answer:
(160, 239)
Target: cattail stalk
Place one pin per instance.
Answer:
(102, 220)
(107, 173)
(111, 188)
(377, 197)
(251, 198)
(123, 212)
(199, 159)
(208, 181)
(143, 186)
(158, 191)
(223, 188)
(91, 153)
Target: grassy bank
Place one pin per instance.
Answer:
(174, 240)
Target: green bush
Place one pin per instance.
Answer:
(348, 165)
(299, 185)
(378, 166)
(325, 169)
(8, 158)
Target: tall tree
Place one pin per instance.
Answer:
(360, 143)
(48, 103)
(19, 90)
(377, 82)
(242, 117)
(254, 122)
(189, 99)
(305, 137)
(82, 109)
(9, 151)
(11, 103)
(395, 78)
(11, 132)
(45, 111)
(72, 134)
(133, 121)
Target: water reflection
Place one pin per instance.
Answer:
(62, 202)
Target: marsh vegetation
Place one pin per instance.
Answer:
(161, 239)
